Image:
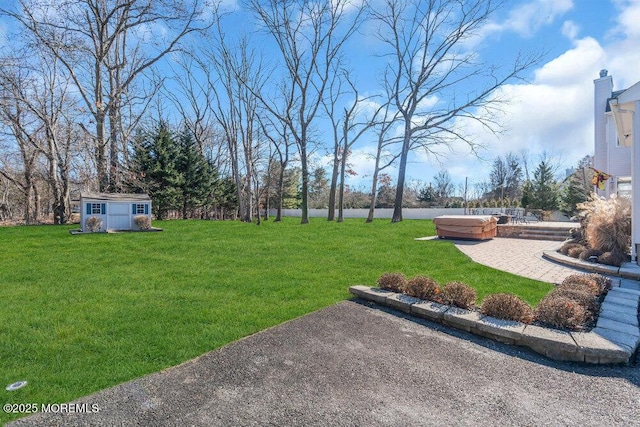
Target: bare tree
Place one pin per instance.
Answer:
(346, 132)
(383, 157)
(106, 47)
(20, 166)
(310, 36)
(428, 62)
(283, 145)
(443, 186)
(237, 79)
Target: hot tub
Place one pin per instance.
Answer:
(476, 227)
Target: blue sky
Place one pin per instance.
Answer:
(553, 111)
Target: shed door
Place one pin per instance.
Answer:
(119, 217)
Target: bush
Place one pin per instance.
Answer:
(604, 283)
(615, 258)
(424, 288)
(575, 251)
(561, 312)
(459, 294)
(142, 222)
(607, 223)
(508, 307)
(564, 250)
(582, 282)
(588, 253)
(395, 282)
(93, 224)
(588, 301)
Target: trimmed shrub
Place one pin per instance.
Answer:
(459, 294)
(588, 301)
(575, 251)
(581, 282)
(424, 288)
(394, 282)
(93, 224)
(615, 258)
(561, 312)
(588, 253)
(604, 283)
(564, 250)
(507, 307)
(142, 222)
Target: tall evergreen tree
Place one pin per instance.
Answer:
(544, 189)
(574, 192)
(198, 177)
(155, 167)
(577, 188)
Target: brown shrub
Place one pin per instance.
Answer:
(394, 282)
(615, 258)
(93, 224)
(588, 301)
(583, 282)
(575, 251)
(142, 222)
(424, 288)
(561, 312)
(588, 253)
(604, 283)
(508, 307)
(459, 294)
(564, 250)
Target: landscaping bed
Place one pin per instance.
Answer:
(593, 347)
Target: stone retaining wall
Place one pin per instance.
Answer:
(588, 347)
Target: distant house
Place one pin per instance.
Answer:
(613, 112)
(116, 210)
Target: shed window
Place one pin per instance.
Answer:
(96, 208)
(140, 209)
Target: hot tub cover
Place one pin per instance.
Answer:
(477, 227)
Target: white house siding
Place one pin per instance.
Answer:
(602, 92)
(619, 157)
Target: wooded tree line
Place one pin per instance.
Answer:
(88, 86)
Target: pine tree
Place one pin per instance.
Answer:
(155, 169)
(544, 189)
(198, 177)
(575, 192)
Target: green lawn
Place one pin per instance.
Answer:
(81, 313)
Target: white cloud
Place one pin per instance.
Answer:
(526, 19)
(553, 114)
(573, 66)
(628, 18)
(570, 30)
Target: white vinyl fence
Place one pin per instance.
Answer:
(407, 213)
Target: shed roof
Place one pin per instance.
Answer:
(117, 197)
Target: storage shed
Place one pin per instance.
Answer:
(115, 210)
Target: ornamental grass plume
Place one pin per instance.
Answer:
(607, 223)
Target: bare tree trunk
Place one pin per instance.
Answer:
(334, 183)
(402, 168)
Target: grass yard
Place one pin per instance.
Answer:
(82, 313)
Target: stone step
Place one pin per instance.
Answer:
(558, 234)
(550, 237)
